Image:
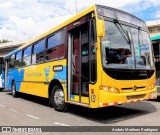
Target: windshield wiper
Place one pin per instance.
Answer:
(124, 33)
(139, 48)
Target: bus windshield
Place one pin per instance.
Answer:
(126, 47)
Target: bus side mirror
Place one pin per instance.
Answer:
(100, 28)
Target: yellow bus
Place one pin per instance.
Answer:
(100, 57)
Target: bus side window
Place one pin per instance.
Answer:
(11, 61)
(38, 52)
(55, 46)
(18, 61)
(27, 56)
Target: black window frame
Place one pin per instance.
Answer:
(16, 55)
(93, 54)
(12, 61)
(44, 50)
(30, 46)
(19, 59)
(63, 32)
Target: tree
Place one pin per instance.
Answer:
(4, 41)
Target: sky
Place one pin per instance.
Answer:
(23, 20)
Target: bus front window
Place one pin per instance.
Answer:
(142, 47)
(115, 48)
(118, 52)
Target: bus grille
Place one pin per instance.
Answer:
(128, 74)
(131, 88)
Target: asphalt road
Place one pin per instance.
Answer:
(27, 110)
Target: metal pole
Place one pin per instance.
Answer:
(76, 5)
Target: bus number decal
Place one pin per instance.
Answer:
(93, 98)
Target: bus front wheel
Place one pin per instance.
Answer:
(57, 99)
(14, 92)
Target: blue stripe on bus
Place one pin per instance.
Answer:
(17, 76)
(14, 51)
(72, 96)
(60, 75)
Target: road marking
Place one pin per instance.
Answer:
(1, 105)
(32, 116)
(12, 110)
(61, 124)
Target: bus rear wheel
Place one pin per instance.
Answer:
(57, 99)
(14, 92)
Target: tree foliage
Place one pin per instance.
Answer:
(4, 41)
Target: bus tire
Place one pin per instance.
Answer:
(57, 99)
(14, 92)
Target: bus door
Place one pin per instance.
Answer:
(78, 65)
(5, 73)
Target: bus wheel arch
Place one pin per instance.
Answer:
(55, 88)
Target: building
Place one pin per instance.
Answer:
(154, 27)
(8, 47)
(154, 30)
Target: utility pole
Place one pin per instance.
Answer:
(76, 5)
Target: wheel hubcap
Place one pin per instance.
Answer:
(13, 89)
(59, 97)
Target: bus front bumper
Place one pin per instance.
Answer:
(109, 99)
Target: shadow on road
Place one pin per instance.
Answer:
(155, 100)
(31, 98)
(105, 115)
(113, 114)
(3, 90)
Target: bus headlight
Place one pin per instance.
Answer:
(106, 88)
(114, 90)
(110, 89)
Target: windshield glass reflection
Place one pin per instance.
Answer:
(117, 53)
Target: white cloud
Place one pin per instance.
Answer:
(7, 34)
(26, 19)
(157, 14)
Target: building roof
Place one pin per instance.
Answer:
(11, 44)
(153, 23)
